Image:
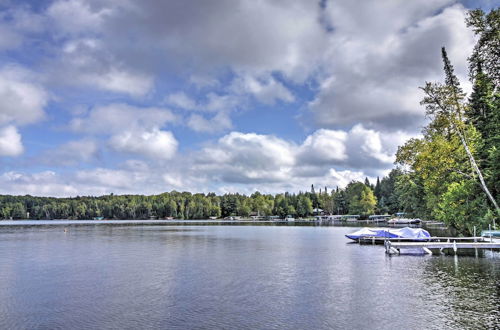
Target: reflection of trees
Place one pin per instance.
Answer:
(465, 290)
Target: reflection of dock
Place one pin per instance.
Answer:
(455, 244)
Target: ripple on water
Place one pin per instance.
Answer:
(234, 277)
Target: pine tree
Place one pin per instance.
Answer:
(446, 104)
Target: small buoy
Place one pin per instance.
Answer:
(65, 230)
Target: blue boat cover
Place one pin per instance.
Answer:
(405, 232)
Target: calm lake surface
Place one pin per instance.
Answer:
(233, 277)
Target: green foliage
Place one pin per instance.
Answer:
(304, 206)
(360, 199)
(444, 170)
(486, 54)
(461, 207)
(386, 194)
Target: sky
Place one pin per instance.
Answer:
(225, 96)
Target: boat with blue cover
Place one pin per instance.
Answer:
(381, 233)
(491, 233)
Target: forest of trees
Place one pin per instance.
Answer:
(356, 198)
(451, 173)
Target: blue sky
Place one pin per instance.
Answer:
(129, 96)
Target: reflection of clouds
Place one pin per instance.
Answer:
(221, 276)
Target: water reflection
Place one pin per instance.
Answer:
(242, 277)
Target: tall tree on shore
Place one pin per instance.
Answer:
(486, 54)
(446, 103)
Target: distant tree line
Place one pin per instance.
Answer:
(356, 198)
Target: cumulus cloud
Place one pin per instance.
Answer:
(154, 144)
(236, 162)
(181, 100)
(239, 157)
(87, 61)
(324, 155)
(22, 101)
(116, 118)
(323, 147)
(354, 68)
(10, 142)
(106, 177)
(265, 89)
(376, 66)
(46, 183)
(77, 16)
(131, 129)
(70, 153)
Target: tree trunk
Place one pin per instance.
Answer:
(479, 174)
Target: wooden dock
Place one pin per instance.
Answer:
(382, 240)
(396, 247)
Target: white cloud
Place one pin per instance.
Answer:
(181, 100)
(342, 178)
(217, 123)
(70, 153)
(236, 162)
(266, 89)
(359, 66)
(87, 61)
(324, 156)
(155, 144)
(376, 67)
(131, 129)
(10, 142)
(77, 16)
(121, 81)
(190, 39)
(240, 158)
(116, 118)
(21, 99)
(212, 102)
(108, 178)
(46, 183)
(324, 146)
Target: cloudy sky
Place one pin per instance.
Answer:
(146, 96)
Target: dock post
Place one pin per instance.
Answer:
(491, 239)
(475, 240)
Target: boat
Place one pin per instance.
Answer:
(404, 221)
(406, 232)
(491, 233)
(289, 218)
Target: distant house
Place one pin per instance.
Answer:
(318, 211)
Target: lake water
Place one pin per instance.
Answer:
(233, 277)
